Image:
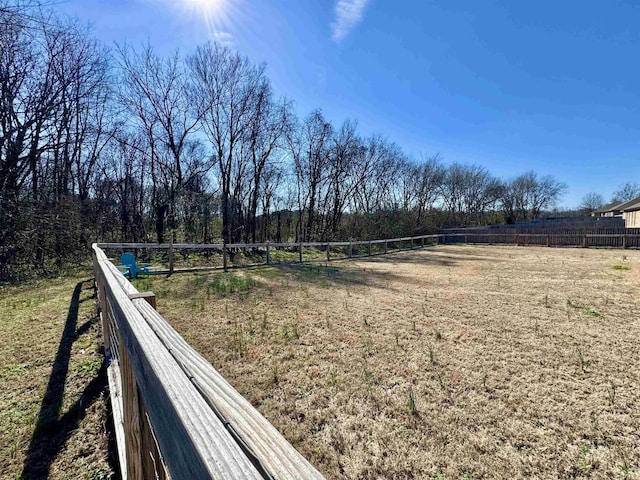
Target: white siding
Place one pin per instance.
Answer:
(632, 219)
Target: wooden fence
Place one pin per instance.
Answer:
(175, 416)
(549, 239)
(180, 257)
(225, 256)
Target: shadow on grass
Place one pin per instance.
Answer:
(52, 430)
(341, 271)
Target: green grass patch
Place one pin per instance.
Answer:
(592, 313)
(53, 400)
(278, 255)
(12, 370)
(621, 267)
(316, 271)
(228, 283)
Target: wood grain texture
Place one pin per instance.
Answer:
(193, 441)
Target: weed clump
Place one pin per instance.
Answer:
(412, 402)
(225, 284)
(592, 313)
(582, 362)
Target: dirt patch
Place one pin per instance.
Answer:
(53, 395)
(451, 362)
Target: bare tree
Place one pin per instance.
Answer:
(591, 201)
(154, 92)
(51, 73)
(264, 136)
(229, 92)
(377, 168)
(344, 154)
(527, 195)
(309, 146)
(431, 175)
(626, 192)
(469, 192)
(123, 182)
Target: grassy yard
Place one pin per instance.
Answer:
(451, 362)
(53, 397)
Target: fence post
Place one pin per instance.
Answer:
(350, 249)
(146, 448)
(548, 240)
(104, 314)
(132, 418)
(624, 241)
(328, 252)
(149, 297)
(517, 239)
(411, 248)
(422, 242)
(171, 257)
(300, 252)
(224, 256)
(585, 242)
(385, 247)
(268, 258)
(369, 250)
(465, 238)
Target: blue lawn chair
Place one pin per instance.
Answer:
(130, 267)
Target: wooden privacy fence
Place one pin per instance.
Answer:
(549, 239)
(175, 416)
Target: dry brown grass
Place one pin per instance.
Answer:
(53, 399)
(452, 362)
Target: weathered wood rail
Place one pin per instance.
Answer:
(175, 416)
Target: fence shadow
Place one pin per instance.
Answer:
(52, 430)
(341, 271)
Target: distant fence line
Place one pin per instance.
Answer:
(265, 253)
(548, 239)
(562, 223)
(225, 256)
(544, 230)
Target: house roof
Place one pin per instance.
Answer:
(608, 208)
(625, 206)
(633, 207)
(619, 206)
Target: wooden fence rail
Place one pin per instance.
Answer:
(174, 415)
(309, 251)
(352, 249)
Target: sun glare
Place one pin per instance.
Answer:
(215, 14)
(208, 5)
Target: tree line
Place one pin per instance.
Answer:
(125, 144)
(624, 193)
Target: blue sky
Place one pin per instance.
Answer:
(550, 86)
